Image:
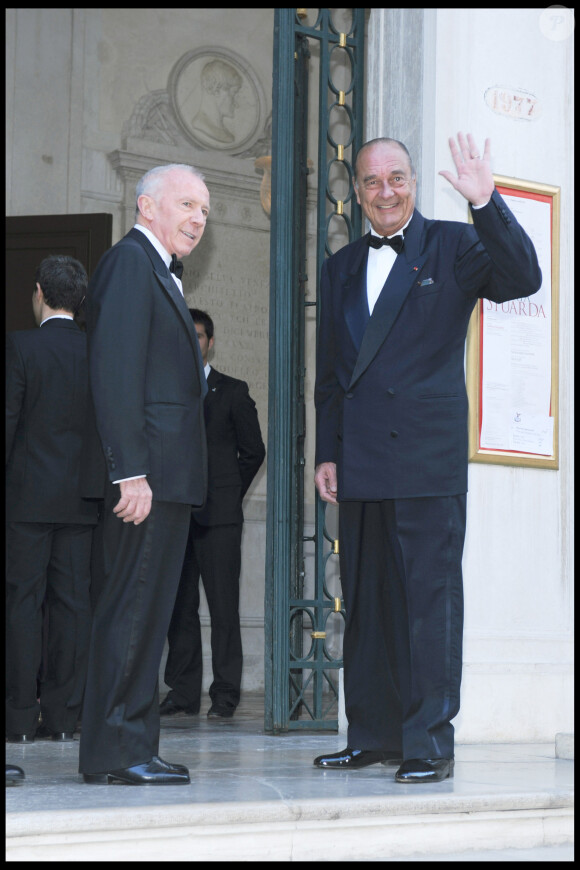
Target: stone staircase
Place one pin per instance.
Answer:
(362, 828)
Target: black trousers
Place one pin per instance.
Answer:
(141, 567)
(401, 577)
(46, 563)
(214, 554)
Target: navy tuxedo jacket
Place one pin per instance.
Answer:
(147, 381)
(390, 392)
(235, 450)
(47, 411)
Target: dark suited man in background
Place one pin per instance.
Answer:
(392, 445)
(235, 453)
(148, 387)
(49, 526)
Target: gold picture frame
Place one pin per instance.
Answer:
(523, 195)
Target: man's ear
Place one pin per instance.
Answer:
(146, 205)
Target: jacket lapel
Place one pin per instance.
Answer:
(355, 303)
(392, 297)
(356, 308)
(163, 275)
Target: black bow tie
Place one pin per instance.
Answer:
(176, 266)
(396, 242)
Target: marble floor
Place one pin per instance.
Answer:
(236, 763)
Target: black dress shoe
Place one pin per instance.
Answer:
(168, 707)
(154, 772)
(44, 733)
(14, 774)
(179, 768)
(20, 738)
(425, 770)
(220, 711)
(352, 759)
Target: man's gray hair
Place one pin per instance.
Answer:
(151, 181)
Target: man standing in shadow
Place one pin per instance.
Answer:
(235, 453)
(49, 527)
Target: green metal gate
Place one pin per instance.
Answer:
(301, 665)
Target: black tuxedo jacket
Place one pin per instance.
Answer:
(47, 408)
(235, 448)
(147, 382)
(390, 388)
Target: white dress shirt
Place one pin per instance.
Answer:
(379, 264)
(57, 317)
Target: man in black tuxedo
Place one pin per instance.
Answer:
(392, 445)
(235, 452)
(49, 526)
(148, 387)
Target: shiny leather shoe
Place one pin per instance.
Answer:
(14, 774)
(220, 711)
(44, 733)
(425, 770)
(353, 759)
(168, 707)
(20, 738)
(179, 768)
(154, 772)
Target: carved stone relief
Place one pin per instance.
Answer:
(153, 119)
(217, 99)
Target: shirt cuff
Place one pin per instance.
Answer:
(136, 477)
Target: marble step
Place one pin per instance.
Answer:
(361, 828)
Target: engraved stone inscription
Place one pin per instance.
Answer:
(517, 104)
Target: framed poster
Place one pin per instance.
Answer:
(512, 348)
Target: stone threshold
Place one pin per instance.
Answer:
(318, 829)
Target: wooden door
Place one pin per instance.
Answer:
(29, 239)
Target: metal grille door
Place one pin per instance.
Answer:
(316, 131)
